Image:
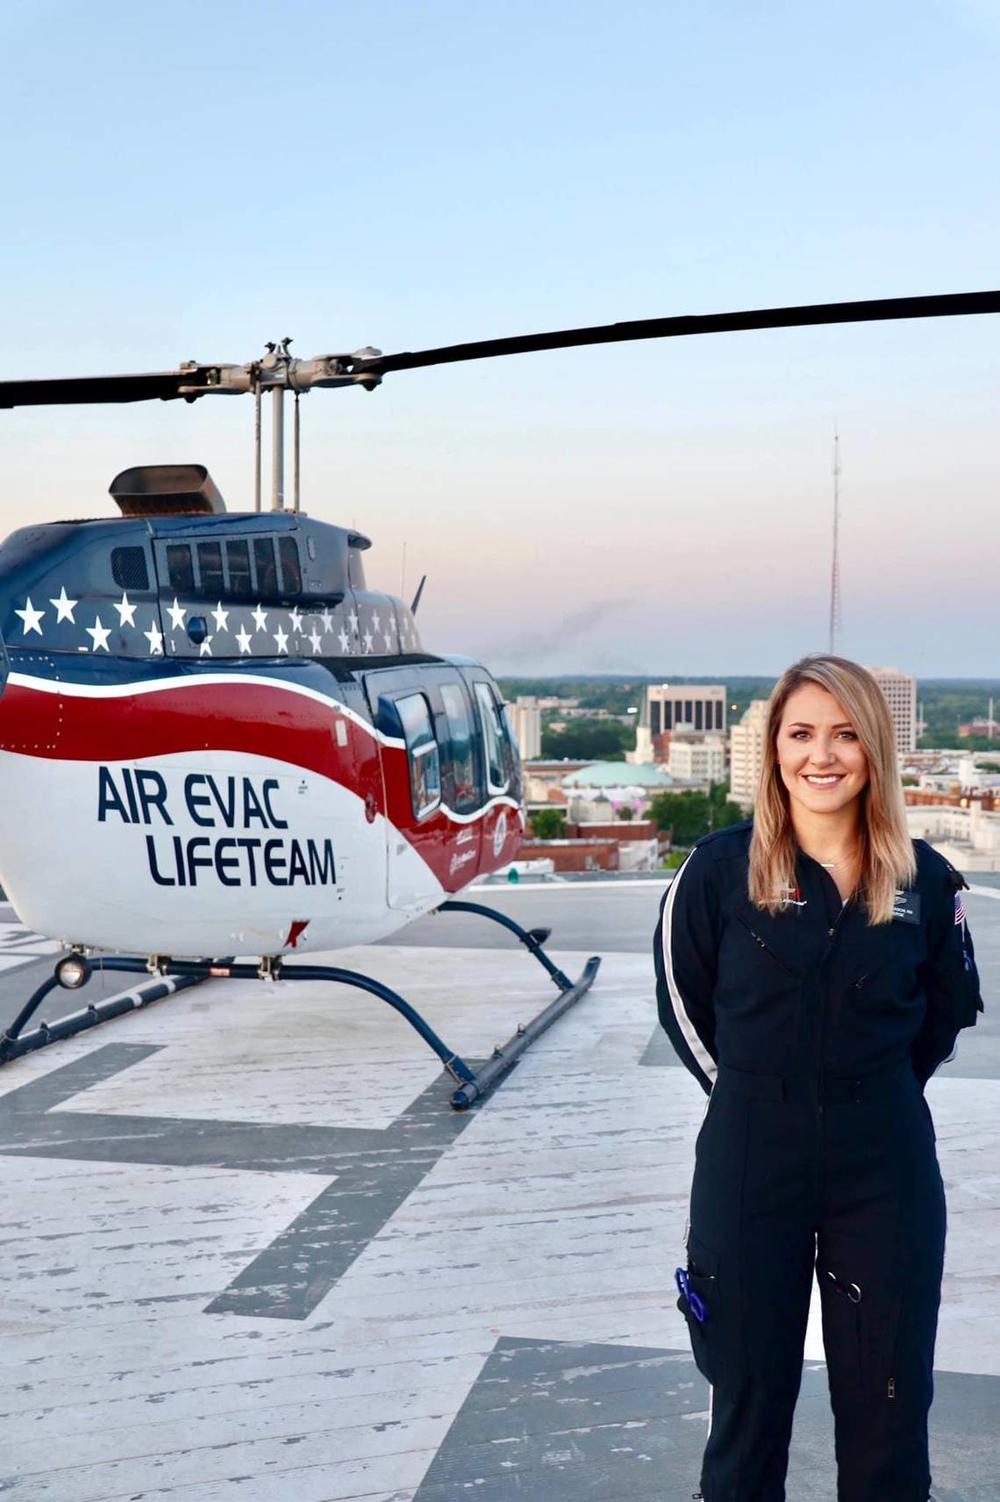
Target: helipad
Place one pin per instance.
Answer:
(252, 1253)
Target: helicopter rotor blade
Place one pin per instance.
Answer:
(366, 367)
(161, 385)
(877, 310)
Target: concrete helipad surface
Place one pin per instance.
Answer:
(252, 1254)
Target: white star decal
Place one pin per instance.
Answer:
(388, 640)
(126, 612)
(344, 639)
(31, 617)
(368, 638)
(376, 622)
(296, 619)
(155, 638)
(176, 614)
(205, 650)
(243, 637)
(64, 607)
(259, 617)
(281, 640)
(221, 618)
(99, 634)
(316, 639)
(352, 621)
(327, 619)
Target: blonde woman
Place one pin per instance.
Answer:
(814, 966)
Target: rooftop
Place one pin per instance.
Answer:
(621, 774)
(205, 1299)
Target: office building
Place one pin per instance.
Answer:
(700, 761)
(698, 707)
(900, 690)
(526, 722)
(746, 754)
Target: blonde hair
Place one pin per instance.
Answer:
(888, 860)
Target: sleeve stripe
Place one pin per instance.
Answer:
(699, 1052)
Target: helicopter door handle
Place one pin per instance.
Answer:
(197, 629)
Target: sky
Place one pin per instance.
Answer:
(189, 181)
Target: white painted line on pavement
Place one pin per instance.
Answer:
(565, 886)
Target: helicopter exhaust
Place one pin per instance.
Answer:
(167, 490)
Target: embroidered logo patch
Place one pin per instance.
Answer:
(791, 897)
(906, 907)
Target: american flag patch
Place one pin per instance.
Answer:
(959, 907)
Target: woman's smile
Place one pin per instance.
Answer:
(822, 761)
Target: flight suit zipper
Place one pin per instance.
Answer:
(825, 1004)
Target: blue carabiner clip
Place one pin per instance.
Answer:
(695, 1302)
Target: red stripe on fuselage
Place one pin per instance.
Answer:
(249, 719)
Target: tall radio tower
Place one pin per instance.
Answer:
(836, 623)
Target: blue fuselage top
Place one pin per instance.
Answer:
(814, 990)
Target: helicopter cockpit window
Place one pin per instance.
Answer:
(180, 568)
(265, 568)
(238, 565)
(210, 568)
(497, 758)
(129, 568)
(423, 754)
(508, 740)
(291, 572)
(461, 757)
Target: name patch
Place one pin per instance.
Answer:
(906, 907)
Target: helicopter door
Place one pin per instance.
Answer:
(433, 787)
(461, 778)
(501, 824)
(411, 771)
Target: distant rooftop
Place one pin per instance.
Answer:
(619, 774)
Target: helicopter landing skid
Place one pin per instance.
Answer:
(170, 976)
(504, 1058)
(15, 1042)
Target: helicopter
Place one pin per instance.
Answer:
(228, 744)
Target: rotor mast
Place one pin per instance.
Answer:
(835, 615)
(277, 372)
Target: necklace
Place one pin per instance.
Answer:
(830, 865)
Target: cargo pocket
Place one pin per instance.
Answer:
(864, 1329)
(844, 1327)
(702, 1277)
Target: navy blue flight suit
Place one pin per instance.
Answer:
(814, 1035)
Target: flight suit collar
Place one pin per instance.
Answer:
(818, 887)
